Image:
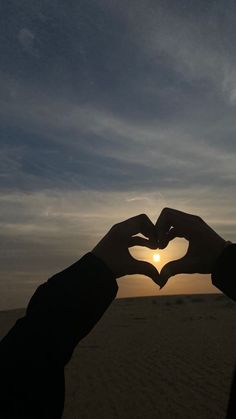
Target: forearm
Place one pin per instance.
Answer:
(33, 354)
(224, 273)
(71, 302)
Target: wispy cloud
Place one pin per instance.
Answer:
(27, 41)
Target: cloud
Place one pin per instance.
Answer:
(126, 109)
(56, 144)
(27, 41)
(196, 41)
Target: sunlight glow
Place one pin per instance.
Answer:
(156, 257)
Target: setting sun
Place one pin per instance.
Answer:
(156, 257)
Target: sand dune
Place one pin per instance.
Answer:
(153, 357)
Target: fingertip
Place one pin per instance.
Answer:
(155, 276)
(153, 245)
(164, 277)
(162, 243)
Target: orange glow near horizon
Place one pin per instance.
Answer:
(139, 285)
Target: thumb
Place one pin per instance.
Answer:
(173, 268)
(145, 268)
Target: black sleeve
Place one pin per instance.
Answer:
(34, 352)
(224, 275)
(224, 278)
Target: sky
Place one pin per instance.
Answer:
(109, 109)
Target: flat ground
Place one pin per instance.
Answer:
(153, 357)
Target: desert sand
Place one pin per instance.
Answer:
(153, 357)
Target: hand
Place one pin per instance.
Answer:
(113, 248)
(205, 245)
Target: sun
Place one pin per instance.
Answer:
(156, 257)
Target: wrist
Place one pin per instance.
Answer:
(105, 259)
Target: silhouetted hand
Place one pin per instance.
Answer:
(113, 248)
(205, 245)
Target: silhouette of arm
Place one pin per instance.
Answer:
(223, 275)
(207, 253)
(33, 354)
(61, 312)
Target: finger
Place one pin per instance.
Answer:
(163, 225)
(140, 241)
(139, 224)
(170, 218)
(172, 234)
(175, 267)
(145, 268)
